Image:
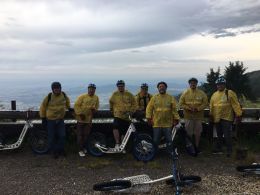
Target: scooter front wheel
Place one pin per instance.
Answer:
(95, 139)
(112, 185)
(144, 149)
(39, 140)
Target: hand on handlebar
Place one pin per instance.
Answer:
(44, 123)
(82, 116)
(150, 121)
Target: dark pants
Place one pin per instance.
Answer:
(56, 135)
(83, 130)
(224, 127)
(167, 132)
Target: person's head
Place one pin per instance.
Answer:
(193, 83)
(162, 87)
(120, 85)
(144, 88)
(91, 89)
(56, 88)
(221, 83)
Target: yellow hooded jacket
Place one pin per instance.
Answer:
(193, 99)
(223, 106)
(84, 105)
(162, 110)
(121, 103)
(56, 107)
(140, 100)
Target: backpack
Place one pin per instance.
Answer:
(49, 97)
(144, 98)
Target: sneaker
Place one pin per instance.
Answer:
(85, 151)
(217, 152)
(81, 154)
(117, 147)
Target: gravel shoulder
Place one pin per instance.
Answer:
(23, 172)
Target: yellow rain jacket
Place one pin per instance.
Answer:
(84, 105)
(193, 99)
(121, 103)
(55, 108)
(162, 110)
(223, 106)
(141, 99)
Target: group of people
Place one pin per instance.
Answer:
(160, 110)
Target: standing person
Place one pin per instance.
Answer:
(224, 106)
(193, 101)
(52, 112)
(85, 106)
(162, 114)
(122, 102)
(143, 98)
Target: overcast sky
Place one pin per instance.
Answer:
(133, 39)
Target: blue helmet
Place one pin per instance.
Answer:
(120, 82)
(221, 80)
(144, 86)
(92, 85)
(55, 85)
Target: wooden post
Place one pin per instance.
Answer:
(13, 107)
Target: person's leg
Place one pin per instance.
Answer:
(80, 141)
(61, 134)
(51, 135)
(189, 127)
(227, 130)
(86, 132)
(197, 132)
(156, 135)
(219, 137)
(168, 137)
(116, 131)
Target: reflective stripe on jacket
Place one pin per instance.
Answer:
(84, 106)
(121, 103)
(223, 107)
(162, 110)
(193, 99)
(55, 108)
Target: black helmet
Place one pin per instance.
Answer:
(193, 79)
(92, 85)
(120, 82)
(55, 85)
(162, 82)
(144, 86)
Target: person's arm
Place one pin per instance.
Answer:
(149, 111)
(204, 102)
(175, 113)
(77, 106)
(182, 103)
(235, 103)
(134, 104)
(43, 107)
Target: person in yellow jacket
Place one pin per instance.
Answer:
(193, 101)
(52, 112)
(85, 106)
(122, 103)
(161, 113)
(224, 106)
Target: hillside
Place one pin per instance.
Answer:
(254, 78)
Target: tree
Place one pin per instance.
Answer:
(237, 80)
(210, 87)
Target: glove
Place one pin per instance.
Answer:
(44, 123)
(82, 116)
(150, 121)
(70, 109)
(238, 119)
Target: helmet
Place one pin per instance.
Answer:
(162, 82)
(193, 79)
(55, 85)
(92, 85)
(120, 82)
(221, 80)
(144, 86)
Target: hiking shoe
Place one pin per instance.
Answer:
(81, 154)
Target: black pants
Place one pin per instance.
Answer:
(224, 127)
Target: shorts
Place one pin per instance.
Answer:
(193, 126)
(121, 125)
